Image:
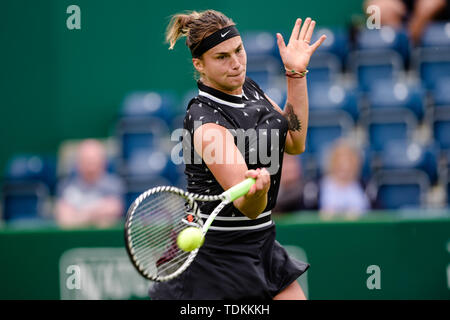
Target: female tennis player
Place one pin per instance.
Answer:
(240, 258)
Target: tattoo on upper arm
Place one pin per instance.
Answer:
(293, 121)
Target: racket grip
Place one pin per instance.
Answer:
(239, 190)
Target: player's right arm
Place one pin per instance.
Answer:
(215, 144)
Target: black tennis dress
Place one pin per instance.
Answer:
(240, 258)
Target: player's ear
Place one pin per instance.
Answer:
(198, 64)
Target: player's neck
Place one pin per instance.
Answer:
(231, 91)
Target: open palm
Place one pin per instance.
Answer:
(297, 53)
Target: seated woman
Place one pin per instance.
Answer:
(341, 194)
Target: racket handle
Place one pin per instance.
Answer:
(231, 194)
(239, 190)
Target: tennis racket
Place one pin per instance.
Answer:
(154, 221)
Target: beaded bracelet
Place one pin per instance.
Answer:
(295, 74)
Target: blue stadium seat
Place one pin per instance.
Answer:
(399, 189)
(447, 186)
(441, 93)
(34, 168)
(181, 181)
(325, 127)
(278, 94)
(385, 38)
(444, 157)
(145, 120)
(397, 94)
(261, 43)
(152, 163)
(188, 95)
(150, 168)
(135, 134)
(136, 185)
(323, 67)
(366, 164)
(432, 64)
(327, 62)
(441, 128)
(327, 96)
(263, 74)
(336, 44)
(180, 111)
(152, 104)
(389, 125)
(373, 66)
(146, 162)
(24, 200)
(132, 142)
(436, 34)
(177, 122)
(310, 166)
(264, 63)
(401, 155)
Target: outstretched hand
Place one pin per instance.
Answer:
(298, 51)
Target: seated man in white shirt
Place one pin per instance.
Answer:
(92, 196)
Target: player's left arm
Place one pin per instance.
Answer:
(297, 125)
(296, 56)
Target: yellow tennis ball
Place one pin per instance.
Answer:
(190, 238)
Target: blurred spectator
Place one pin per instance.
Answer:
(291, 186)
(415, 14)
(91, 196)
(341, 193)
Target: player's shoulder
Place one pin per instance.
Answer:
(201, 111)
(199, 108)
(199, 103)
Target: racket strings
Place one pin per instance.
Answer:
(174, 265)
(140, 230)
(153, 231)
(154, 240)
(156, 216)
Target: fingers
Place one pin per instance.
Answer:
(303, 34)
(310, 31)
(318, 42)
(304, 29)
(262, 183)
(295, 30)
(252, 174)
(281, 44)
